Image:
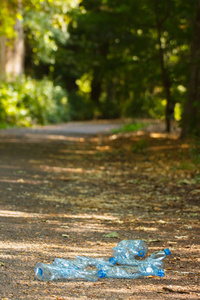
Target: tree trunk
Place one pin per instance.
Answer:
(165, 80)
(96, 84)
(191, 111)
(15, 53)
(166, 84)
(12, 52)
(2, 57)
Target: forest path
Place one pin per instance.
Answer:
(72, 193)
(66, 129)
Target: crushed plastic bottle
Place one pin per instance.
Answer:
(124, 256)
(68, 263)
(49, 272)
(130, 272)
(156, 259)
(160, 255)
(151, 266)
(86, 261)
(126, 250)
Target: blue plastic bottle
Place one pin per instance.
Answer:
(151, 266)
(86, 261)
(127, 250)
(124, 254)
(130, 272)
(156, 258)
(49, 272)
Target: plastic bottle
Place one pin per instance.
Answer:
(72, 263)
(151, 266)
(130, 272)
(155, 259)
(126, 250)
(160, 255)
(82, 262)
(86, 261)
(124, 253)
(49, 272)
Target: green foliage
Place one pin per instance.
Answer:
(130, 127)
(126, 55)
(106, 54)
(8, 15)
(28, 101)
(44, 28)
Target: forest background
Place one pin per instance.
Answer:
(67, 60)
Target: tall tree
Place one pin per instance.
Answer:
(15, 51)
(145, 39)
(11, 39)
(191, 112)
(160, 18)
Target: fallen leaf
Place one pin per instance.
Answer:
(181, 237)
(150, 241)
(185, 181)
(20, 180)
(194, 214)
(161, 222)
(113, 234)
(65, 235)
(195, 192)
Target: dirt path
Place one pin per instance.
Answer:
(63, 192)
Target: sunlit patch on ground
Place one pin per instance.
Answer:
(62, 198)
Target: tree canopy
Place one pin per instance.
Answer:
(114, 58)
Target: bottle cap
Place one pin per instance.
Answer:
(113, 260)
(101, 274)
(167, 251)
(40, 272)
(161, 273)
(141, 253)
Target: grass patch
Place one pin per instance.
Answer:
(130, 127)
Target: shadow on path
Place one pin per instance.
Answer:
(62, 192)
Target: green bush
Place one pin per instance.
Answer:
(28, 101)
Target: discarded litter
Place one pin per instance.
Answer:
(54, 271)
(126, 250)
(123, 264)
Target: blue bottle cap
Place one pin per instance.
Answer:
(141, 253)
(40, 272)
(167, 251)
(113, 260)
(101, 274)
(161, 273)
